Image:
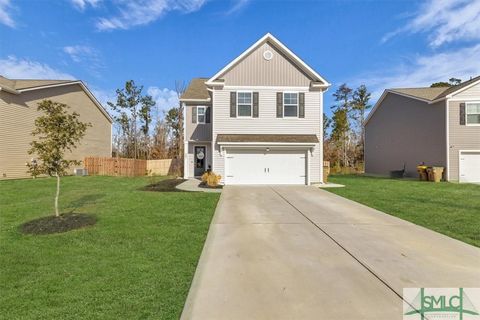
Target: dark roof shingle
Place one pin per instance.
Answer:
(267, 138)
(432, 94)
(196, 90)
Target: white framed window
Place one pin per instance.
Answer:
(290, 104)
(244, 104)
(472, 114)
(201, 114)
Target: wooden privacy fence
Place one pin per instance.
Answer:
(164, 167)
(106, 166)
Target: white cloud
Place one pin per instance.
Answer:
(5, 15)
(104, 96)
(141, 12)
(165, 99)
(238, 6)
(79, 53)
(82, 4)
(424, 70)
(446, 20)
(12, 67)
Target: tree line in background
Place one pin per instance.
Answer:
(344, 132)
(141, 131)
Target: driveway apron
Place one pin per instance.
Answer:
(297, 252)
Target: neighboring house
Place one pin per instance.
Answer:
(258, 120)
(18, 111)
(435, 126)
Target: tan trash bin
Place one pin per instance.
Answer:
(435, 173)
(422, 173)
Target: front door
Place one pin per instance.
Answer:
(199, 163)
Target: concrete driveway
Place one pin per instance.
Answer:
(286, 252)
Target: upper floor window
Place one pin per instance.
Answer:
(201, 114)
(244, 104)
(473, 113)
(290, 104)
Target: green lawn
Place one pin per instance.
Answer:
(137, 262)
(448, 208)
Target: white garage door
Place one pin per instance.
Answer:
(261, 167)
(470, 166)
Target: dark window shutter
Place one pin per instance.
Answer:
(194, 114)
(255, 104)
(233, 104)
(207, 114)
(462, 114)
(279, 104)
(301, 105)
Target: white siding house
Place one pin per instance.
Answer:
(263, 119)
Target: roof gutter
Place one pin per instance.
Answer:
(307, 144)
(195, 100)
(7, 89)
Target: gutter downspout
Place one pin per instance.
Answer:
(447, 131)
(185, 142)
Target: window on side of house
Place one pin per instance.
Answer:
(201, 114)
(290, 104)
(244, 104)
(472, 113)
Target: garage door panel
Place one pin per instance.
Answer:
(469, 166)
(262, 167)
(243, 168)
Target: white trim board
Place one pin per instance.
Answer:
(279, 45)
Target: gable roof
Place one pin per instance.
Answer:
(425, 94)
(17, 86)
(196, 91)
(429, 94)
(318, 80)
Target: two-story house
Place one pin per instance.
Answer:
(258, 120)
(435, 126)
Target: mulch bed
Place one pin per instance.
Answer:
(167, 185)
(52, 224)
(206, 186)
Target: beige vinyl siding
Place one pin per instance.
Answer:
(268, 123)
(197, 131)
(254, 70)
(461, 137)
(17, 116)
(472, 92)
(404, 130)
(191, 156)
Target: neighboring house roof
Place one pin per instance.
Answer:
(17, 86)
(267, 138)
(196, 91)
(459, 87)
(425, 94)
(318, 81)
(421, 93)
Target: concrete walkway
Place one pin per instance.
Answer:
(304, 253)
(193, 185)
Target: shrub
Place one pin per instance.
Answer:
(211, 179)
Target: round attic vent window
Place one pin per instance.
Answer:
(268, 55)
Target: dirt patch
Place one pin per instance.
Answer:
(167, 185)
(52, 224)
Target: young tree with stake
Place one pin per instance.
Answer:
(58, 131)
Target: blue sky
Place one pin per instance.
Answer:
(155, 42)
